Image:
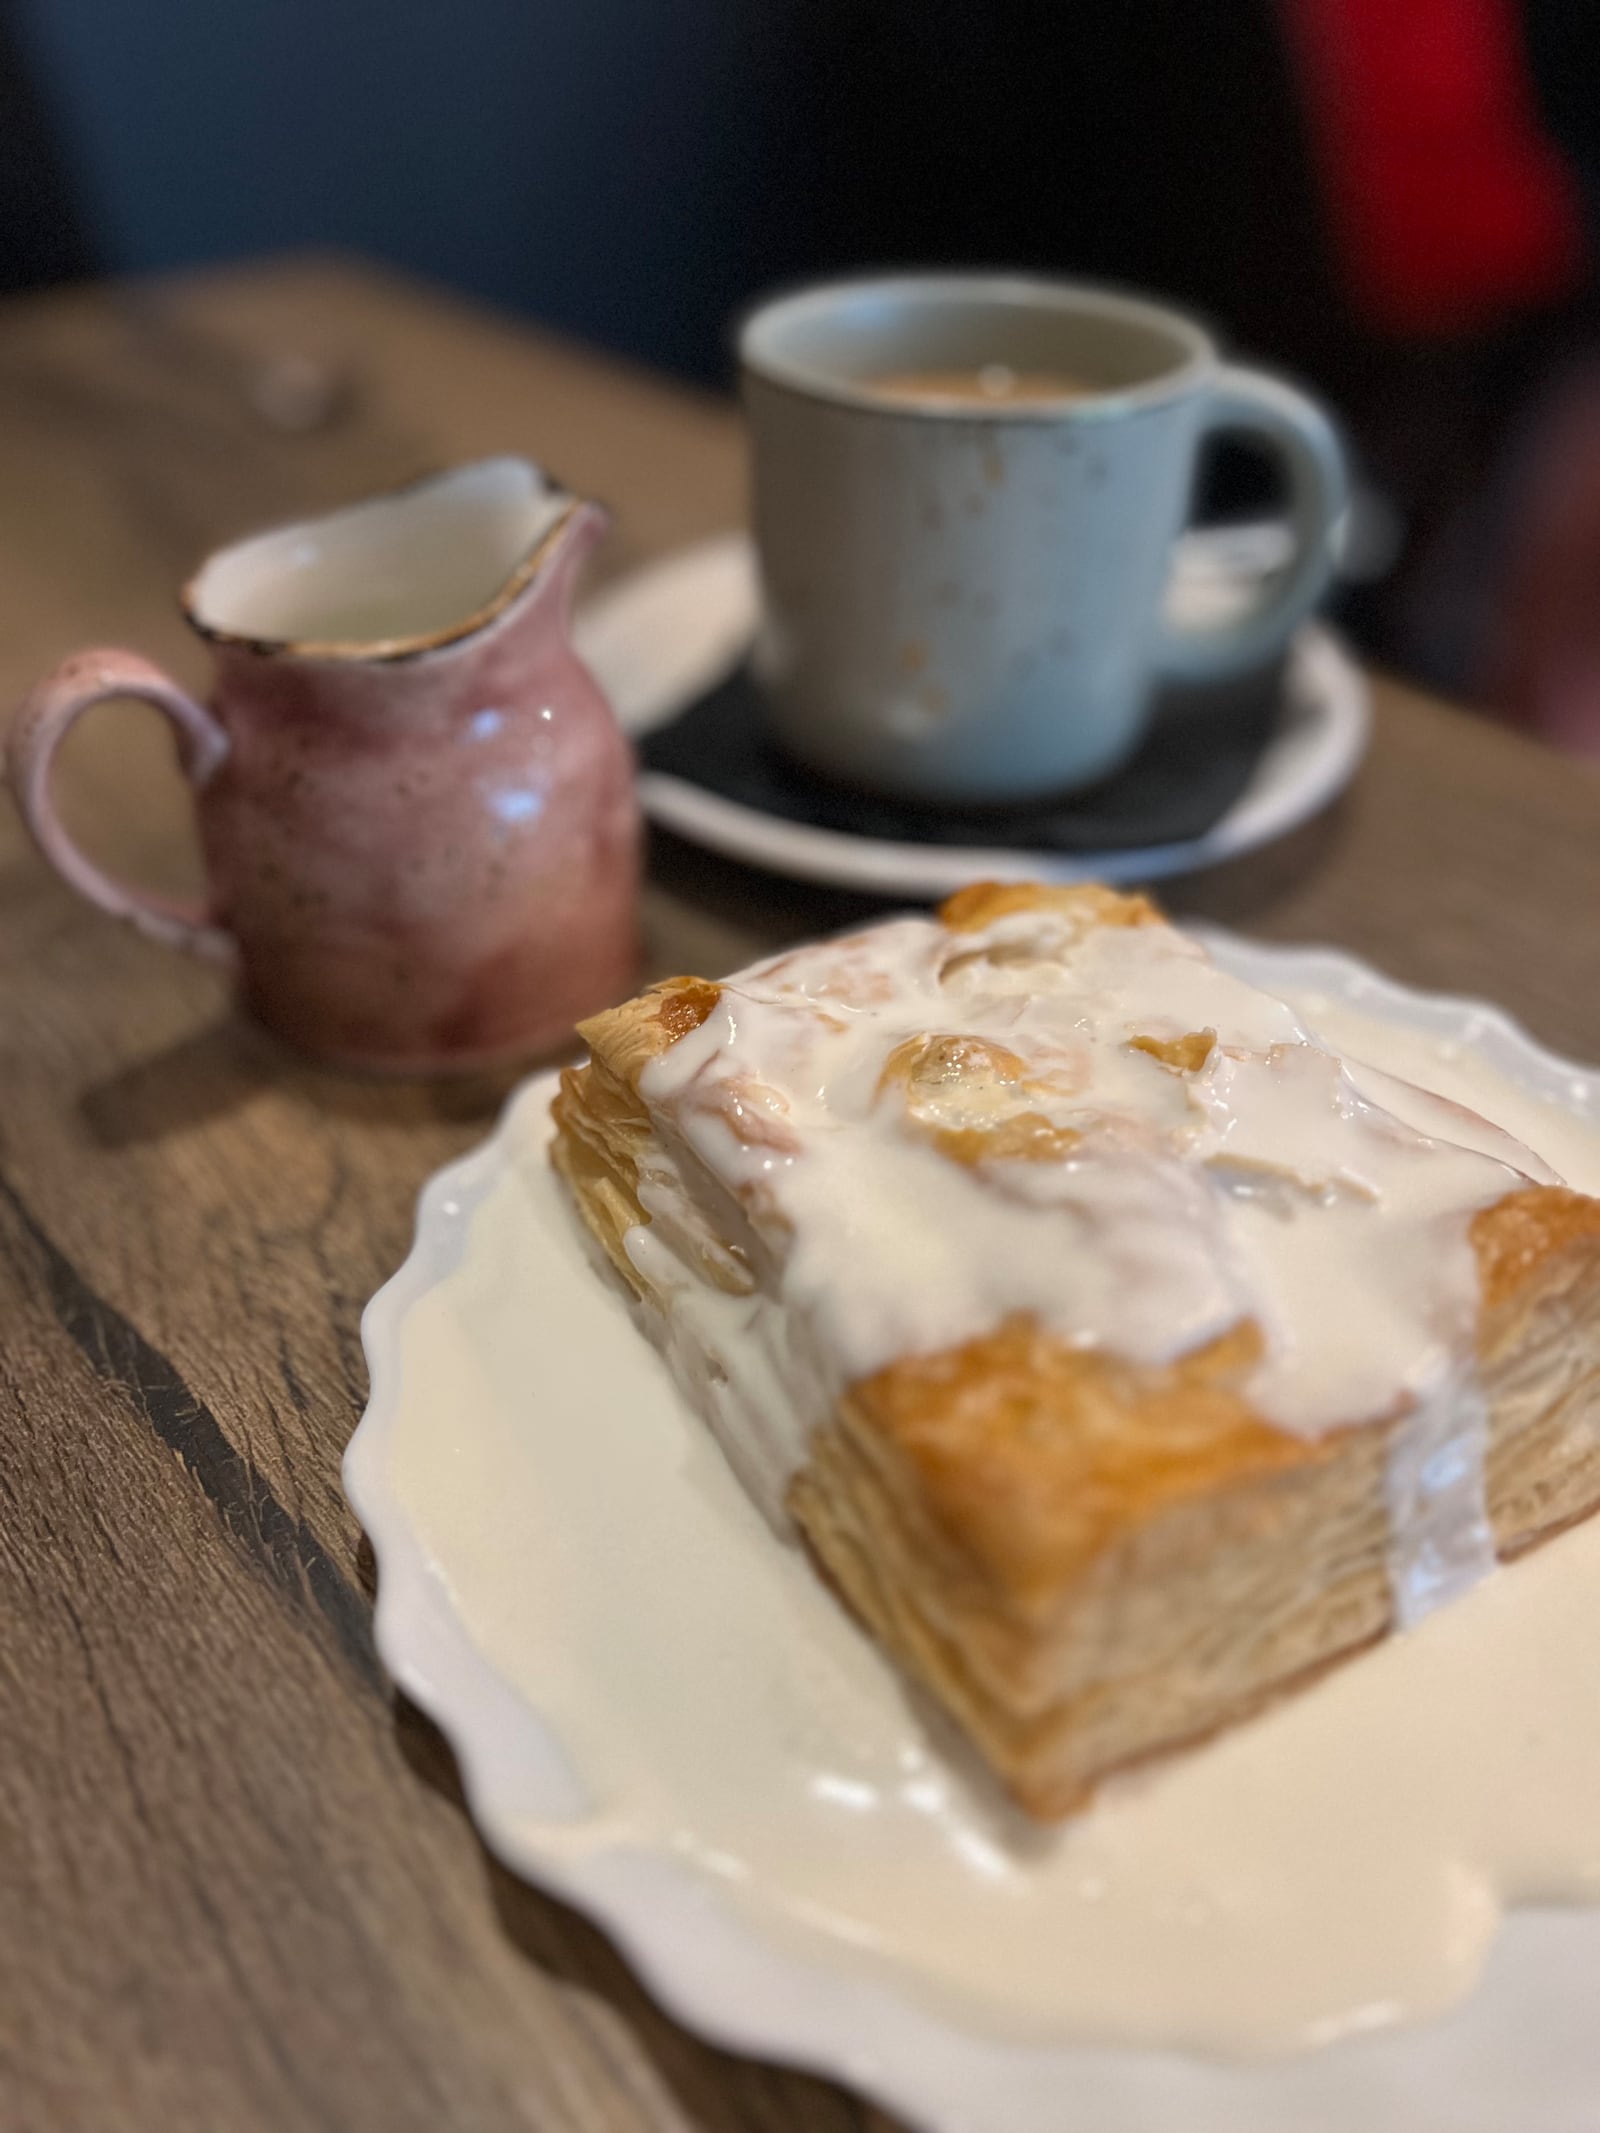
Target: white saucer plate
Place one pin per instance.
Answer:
(446, 1474)
(660, 638)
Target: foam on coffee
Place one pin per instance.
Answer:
(981, 385)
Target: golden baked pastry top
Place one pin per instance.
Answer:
(1092, 1308)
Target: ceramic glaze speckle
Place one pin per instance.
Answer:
(1024, 547)
(422, 850)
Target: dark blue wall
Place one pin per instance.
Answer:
(576, 159)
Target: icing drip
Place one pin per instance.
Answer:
(1440, 1541)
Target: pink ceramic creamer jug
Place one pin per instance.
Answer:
(416, 809)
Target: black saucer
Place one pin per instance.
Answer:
(1193, 765)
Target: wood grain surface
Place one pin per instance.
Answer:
(238, 1890)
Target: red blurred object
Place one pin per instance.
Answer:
(1450, 206)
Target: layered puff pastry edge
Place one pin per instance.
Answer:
(1089, 1560)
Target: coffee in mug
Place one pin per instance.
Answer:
(989, 385)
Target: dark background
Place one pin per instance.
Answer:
(631, 171)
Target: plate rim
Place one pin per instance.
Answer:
(712, 1970)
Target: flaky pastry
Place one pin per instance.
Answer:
(1124, 1355)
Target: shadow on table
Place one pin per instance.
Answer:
(1244, 892)
(719, 2092)
(1239, 892)
(206, 1075)
(219, 1069)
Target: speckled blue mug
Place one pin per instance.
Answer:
(963, 596)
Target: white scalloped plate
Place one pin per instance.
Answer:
(1521, 2056)
(663, 635)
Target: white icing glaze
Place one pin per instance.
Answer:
(734, 1359)
(1268, 1183)
(1334, 1866)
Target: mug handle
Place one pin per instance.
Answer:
(1299, 434)
(38, 730)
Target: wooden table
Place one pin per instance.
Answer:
(237, 1887)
